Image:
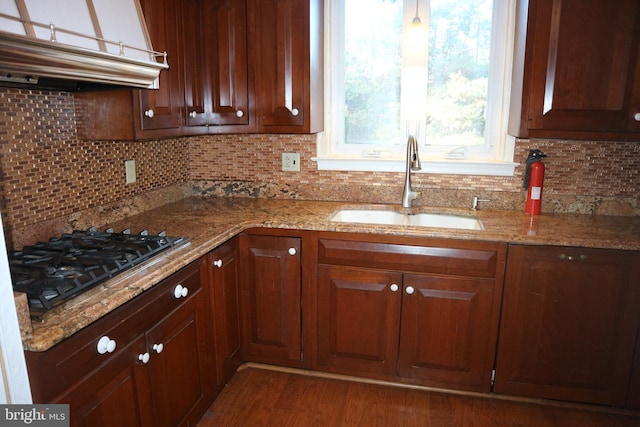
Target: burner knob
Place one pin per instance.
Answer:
(106, 345)
(180, 291)
(144, 358)
(158, 348)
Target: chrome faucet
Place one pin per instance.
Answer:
(413, 163)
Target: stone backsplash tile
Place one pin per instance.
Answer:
(51, 179)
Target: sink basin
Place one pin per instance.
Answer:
(422, 219)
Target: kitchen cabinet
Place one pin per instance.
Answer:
(424, 311)
(569, 323)
(270, 292)
(149, 362)
(223, 264)
(214, 38)
(128, 114)
(576, 71)
(286, 55)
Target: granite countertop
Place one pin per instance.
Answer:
(209, 222)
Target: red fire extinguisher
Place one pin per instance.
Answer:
(533, 181)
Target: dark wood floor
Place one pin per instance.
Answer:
(261, 397)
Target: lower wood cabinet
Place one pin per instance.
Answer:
(422, 311)
(156, 367)
(223, 265)
(270, 291)
(569, 323)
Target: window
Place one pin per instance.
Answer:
(436, 69)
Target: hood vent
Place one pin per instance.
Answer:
(76, 43)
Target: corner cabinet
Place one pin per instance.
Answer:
(569, 323)
(270, 289)
(424, 311)
(577, 70)
(149, 362)
(286, 55)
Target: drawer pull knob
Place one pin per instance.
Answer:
(239, 113)
(106, 345)
(144, 358)
(292, 251)
(410, 290)
(158, 348)
(636, 117)
(180, 291)
(218, 263)
(394, 287)
(149, 113)
(193, 114)
(295, 112)
(573, 257)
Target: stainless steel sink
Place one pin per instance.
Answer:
(421, 219)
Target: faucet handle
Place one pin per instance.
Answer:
(476, 200)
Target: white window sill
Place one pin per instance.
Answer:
(449, 167)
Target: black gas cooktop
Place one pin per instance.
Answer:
(55, 271)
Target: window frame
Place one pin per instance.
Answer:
(386, 161)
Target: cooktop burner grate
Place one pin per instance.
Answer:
(55, 271)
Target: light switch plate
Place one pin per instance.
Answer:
(130, 171)
(291, 162)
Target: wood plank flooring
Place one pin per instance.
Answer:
(258, 397)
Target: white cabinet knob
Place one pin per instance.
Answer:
(149, 113)
(239, 113)
(217, 263)
(144, 358)
(636, 117)
(106, 345)
(410, 290)
(158, 348)
(295, 112)
(394, 287)
(193, 114)
(180, 291)
(292, 251)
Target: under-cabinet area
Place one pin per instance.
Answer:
(495, 318)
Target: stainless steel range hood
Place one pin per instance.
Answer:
(63, 44)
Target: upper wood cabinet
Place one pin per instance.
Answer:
(214, 38)
(235, 66)
(286, 55)
(128, 114)
(569, 323)
(576, 71)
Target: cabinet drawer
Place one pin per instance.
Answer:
(461, 258)
(53, 371)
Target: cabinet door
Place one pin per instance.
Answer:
(215, 62)
(358, 319)
(581, 72)
(117, 394)
(569, 323)
(159, 109)
(225, 311)
(449, 331)
(181, 375)
(270, 295)
(287, 61)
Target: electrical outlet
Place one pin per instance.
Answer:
(130, 171)
(291, 162)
